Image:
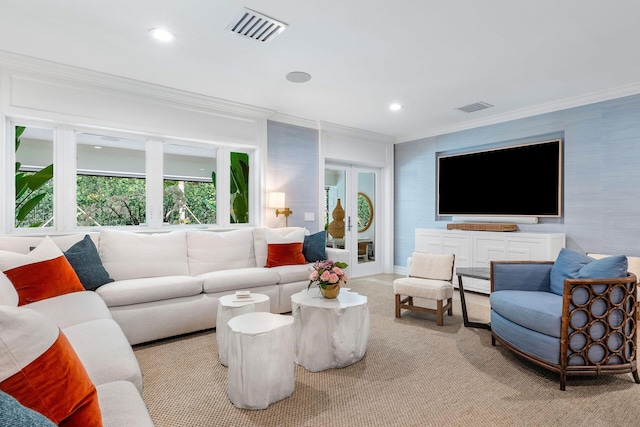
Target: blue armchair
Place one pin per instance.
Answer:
(577, 316)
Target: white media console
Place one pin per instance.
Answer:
(479, 248)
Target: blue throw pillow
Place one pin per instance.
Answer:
(314, 247)
(13, 414)
(573, 265)
(85, 260)
(613, 266)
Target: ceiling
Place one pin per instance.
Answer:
(523, 57)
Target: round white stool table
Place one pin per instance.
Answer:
(230, 306)
(330, 333)
(261, 366)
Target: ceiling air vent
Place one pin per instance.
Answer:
(256, 26)
(474, 107)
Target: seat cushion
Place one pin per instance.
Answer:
(293, 273)
(122, 405)
(537, 311)
(535, 343)
(105, 352)
(239, 278)
(136, 291)
(71, 309)
(423, 288)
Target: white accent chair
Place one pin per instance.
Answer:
(430, 277)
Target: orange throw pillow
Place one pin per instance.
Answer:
(279, 254)
(42, 273)
(40, 369)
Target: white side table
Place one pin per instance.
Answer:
(330, 333)
(230, 306)
(261, 366)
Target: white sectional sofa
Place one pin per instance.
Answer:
(164, 284)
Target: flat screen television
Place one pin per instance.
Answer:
(521, 180)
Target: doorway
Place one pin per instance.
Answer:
(351, 195)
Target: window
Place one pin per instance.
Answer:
(239, 189)
(111, 186)
(189, 195)
(33, 177)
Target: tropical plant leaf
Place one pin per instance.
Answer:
(29, 206)
(18, 165)
(40, 178)
(21, 185)
(19, 132)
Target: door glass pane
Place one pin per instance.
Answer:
(239, 189)
(366, 216)
(111, 186)
(189, 186)
(34, 177)
(335, 220)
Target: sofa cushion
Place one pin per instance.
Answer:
(212, 251)
(136, 291)
(127, 255)
(538, 311)
(42, 273)
(13, 414)
(263, 236)
(314, 247)
(8, 293)
(293, 273)
(85, 260)
(569, 265)
(71, 309)
(39, 367)
(122, 405)
(240, 278)
(279, 254)
(105, 352)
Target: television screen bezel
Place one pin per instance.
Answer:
(560, 184)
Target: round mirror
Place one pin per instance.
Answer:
(365, 212)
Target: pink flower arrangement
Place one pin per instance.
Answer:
(327, 272)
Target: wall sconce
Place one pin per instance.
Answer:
(276, 200)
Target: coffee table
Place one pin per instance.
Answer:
(329, 333)
(230, 306)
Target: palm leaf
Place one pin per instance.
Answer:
(29, 206)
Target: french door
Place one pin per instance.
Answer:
(351, 194)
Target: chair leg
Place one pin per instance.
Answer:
(636, 377)
(440, 313)
(450, 302)
(397, 305)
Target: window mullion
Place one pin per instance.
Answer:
(223, 185)
(64, 179)
(154, 183)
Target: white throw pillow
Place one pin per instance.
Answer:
(8, 293)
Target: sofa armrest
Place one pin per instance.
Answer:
(521, 275)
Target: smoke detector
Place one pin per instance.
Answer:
(256, 26)
(474, 107)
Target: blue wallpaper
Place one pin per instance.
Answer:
(292, 167)
(601, 194)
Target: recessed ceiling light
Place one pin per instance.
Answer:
(97, 147)
(162, 35)
(395, 107)
(298, 77)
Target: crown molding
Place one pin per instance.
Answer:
(16, 62)
(293, 120)
(563, 104)
(331, 128)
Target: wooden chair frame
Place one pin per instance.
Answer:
(406, 303)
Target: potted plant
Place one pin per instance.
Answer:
(328, 275)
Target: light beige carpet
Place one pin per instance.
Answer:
(413, 374)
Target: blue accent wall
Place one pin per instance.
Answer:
(292, 167)
(601, 193)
